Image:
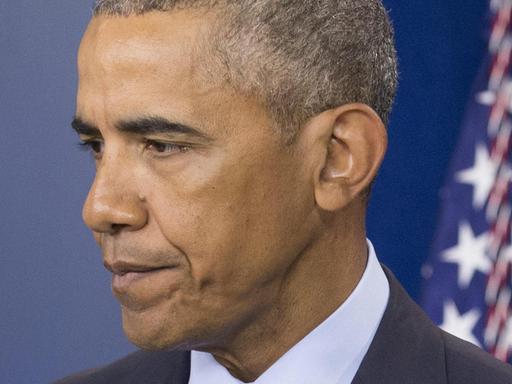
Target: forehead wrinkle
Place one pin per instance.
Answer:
(152, 36)
(133, 56)
(125, 45)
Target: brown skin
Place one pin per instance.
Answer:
(266, 239)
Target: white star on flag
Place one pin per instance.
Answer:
(469, 254)
(481, 176)
(460, 325)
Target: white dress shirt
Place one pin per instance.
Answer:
(332, 352)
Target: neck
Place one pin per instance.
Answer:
(321, 279)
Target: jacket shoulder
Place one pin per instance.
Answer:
(466, 364)
(138, 367)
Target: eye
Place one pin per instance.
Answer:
(162, 148)
(94, 146)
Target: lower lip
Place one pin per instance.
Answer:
(123, 282)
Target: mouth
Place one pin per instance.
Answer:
(125, 274)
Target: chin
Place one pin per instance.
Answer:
(152, 332)
(147, 342)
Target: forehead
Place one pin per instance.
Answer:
(146, 39)
(143, 64)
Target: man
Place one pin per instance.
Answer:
(235, 146)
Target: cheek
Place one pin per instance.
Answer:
(210, 233)
(233, 230)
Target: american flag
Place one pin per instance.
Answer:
(468, 279)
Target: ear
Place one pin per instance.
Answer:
(355, 142)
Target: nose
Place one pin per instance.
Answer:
(113, 203)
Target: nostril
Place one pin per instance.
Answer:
(116, 228)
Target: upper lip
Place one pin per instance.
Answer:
(124, 267)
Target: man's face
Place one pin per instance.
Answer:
(197, 205)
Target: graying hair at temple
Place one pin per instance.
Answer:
(298, 57)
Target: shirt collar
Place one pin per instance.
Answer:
(332, 352)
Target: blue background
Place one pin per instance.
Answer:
(56, 312)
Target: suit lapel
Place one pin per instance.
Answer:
(407, 348)
(181, 374)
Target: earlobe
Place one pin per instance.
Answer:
(355, 150)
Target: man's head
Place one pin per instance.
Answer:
(233, 144)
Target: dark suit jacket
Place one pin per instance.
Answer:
(407, 349)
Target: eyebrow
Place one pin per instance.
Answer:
(83, 128)
(140, 126)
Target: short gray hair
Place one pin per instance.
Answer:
(298, 57)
